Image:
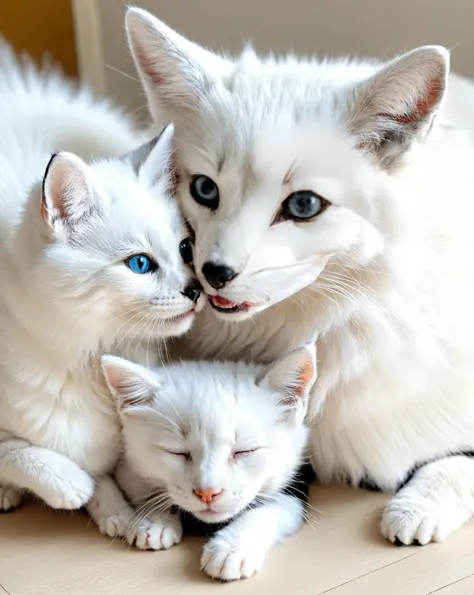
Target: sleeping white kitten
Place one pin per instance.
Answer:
(336, 197)
(89, 260)
(221, 447)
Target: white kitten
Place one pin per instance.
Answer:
(219, 445)
(89, 261)
(336, 176)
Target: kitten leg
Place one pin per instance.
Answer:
(53, 477)
(239, 550)
(150, 530)
(435, 502)
(10, 498)
(109, 509)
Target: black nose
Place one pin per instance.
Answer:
(217, 275)
(193, 291)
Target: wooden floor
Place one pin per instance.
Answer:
(46, 553)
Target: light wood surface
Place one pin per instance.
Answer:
(341, 552)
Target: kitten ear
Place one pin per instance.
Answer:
(153, 160)
(175, 72)
(293, 376)
(131, 385)
(399, 102)
(68, 192)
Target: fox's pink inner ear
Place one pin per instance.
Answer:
(398, 103)
(429, 98)
(175, 72)
(67, 192)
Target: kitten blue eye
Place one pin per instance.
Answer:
(140, 264)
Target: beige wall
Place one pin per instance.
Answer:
(364, 27)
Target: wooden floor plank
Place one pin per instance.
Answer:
(341, 553)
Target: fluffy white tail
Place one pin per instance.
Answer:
(42, 108)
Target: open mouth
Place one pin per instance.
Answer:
(227, 306)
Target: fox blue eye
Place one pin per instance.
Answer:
(140, 264)
(304, 204)
(205, 191)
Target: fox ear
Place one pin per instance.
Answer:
(293, 377)
(175, 72)
(70, 193)
(399, 102)
(133, 386)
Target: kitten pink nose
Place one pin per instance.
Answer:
(208, 495)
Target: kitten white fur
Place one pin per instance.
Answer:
(66, 293)
(384, 274)
(210, 438)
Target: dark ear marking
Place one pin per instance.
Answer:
(153, 160)
(137, 157)
(69, 191)
(44, 207)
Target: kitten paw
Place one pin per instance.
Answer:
(115, 525)
(10, 498)
(414, 519)
(70, 491)
(229, 562)
(156, 534)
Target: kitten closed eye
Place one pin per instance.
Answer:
(185, 455)
(242, 453)
(230, 439)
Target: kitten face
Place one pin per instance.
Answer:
(112, 249)
(285, 165)
(214, 436)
